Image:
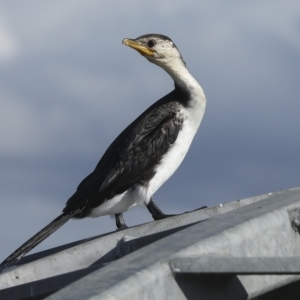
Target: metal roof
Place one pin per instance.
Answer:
(239, 250)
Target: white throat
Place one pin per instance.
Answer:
(181, 76)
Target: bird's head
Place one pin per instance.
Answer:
(157, 48)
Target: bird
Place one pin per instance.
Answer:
(144, 155)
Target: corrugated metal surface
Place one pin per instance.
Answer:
(216, 253)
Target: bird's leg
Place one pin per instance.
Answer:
(155, 211)
(120, 222)
(157, 214)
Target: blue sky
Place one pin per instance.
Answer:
(68, 87)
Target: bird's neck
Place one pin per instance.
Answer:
(183, 79)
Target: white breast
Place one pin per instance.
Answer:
(175, 155)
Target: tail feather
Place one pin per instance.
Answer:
(38, 238)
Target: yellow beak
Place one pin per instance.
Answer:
(144, 50)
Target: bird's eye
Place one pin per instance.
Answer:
(151, 43)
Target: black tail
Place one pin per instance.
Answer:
(38, 238)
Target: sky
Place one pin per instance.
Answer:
(68, 87)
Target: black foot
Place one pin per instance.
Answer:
(202, 207)
(120, 222)
(163, 216)
(157, 214)
(155, 211)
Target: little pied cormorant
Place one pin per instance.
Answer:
(144, 155)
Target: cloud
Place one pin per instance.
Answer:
(8, 44)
